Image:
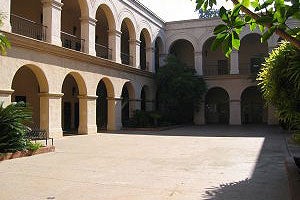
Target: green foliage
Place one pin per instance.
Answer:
(279, 80)
(180, 91)
(143, 119)
(270, 14)
(4, 43)
(33, 146)
(12, 128)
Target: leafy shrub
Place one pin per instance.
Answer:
(279, 80)
(33, 146)
(142, 119)
(12, 128)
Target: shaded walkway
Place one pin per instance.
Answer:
(211, 163)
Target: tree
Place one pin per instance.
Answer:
(4, 43)
(179, 90)
(270, 16)
(279, 80)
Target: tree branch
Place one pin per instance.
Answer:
(278, 31)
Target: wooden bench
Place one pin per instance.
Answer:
(38, 134)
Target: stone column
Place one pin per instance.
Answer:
(114, 40)
(134, 104)
(234, 62)
(150, 55)
(50, 114)
(134, 46)
(52, 20)
(114, 114)
(88, 31)
(198, 63)
(199, 116)
(150, 105)
(5, 12)
(162, 58)
(272, 118)
(235, 112)
(87, 115)
(5, 97)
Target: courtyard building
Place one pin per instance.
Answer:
(86, 65)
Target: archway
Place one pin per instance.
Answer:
(102, 106)
(251, 54)
(217, 106)
(183, 50)
(73, 108)
(144, 49)
(252, 107)
(71, 25)
(105, 23)
(28, 83)
(214, 62)
(27, 18)
(127, 106)
(128, 44)
(158, 52)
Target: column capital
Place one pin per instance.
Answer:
(152, 49)
(53, 3)
(134, 41)
(135, 99)
(7, 92)
(114, 32)
(51, 95)
(114, 98)
(88, 97)
(90, 20)
(235, 101)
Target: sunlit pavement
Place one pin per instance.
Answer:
(189, 163)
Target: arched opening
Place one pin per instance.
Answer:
(145, 49)
(73, 108)
(128, 44)
(105, 22)
(252, 54)
(214, 62)
(127, 106)
(158, 52)
(143, 57)
(27, 18)
(144, 98)
(217, 106)
(252, 107)
(183, 50)
(71, 25)
(102, 107)
(27, 84)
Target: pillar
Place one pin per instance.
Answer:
(234, 62)
(114, 40)
(272, 118)
(150, 105)
(5, 12)
(134, 104)
(87, 114)
(134, 49)
(199, 115)
(198, 63)
(114, 121)
(88, 31)
(52, 19)
(235, 112)
(162, 58)
(50, 114)
(5, 97)
(150, 55)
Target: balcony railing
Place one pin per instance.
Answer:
(215, 70)
(126, 59)
(72, 41)
(103, 51)
(28, 28)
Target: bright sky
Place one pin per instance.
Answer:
(174, 10)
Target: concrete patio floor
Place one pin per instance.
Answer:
(189, 163)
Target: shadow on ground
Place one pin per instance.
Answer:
(268, 180)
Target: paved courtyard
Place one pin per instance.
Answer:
(189, 163)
